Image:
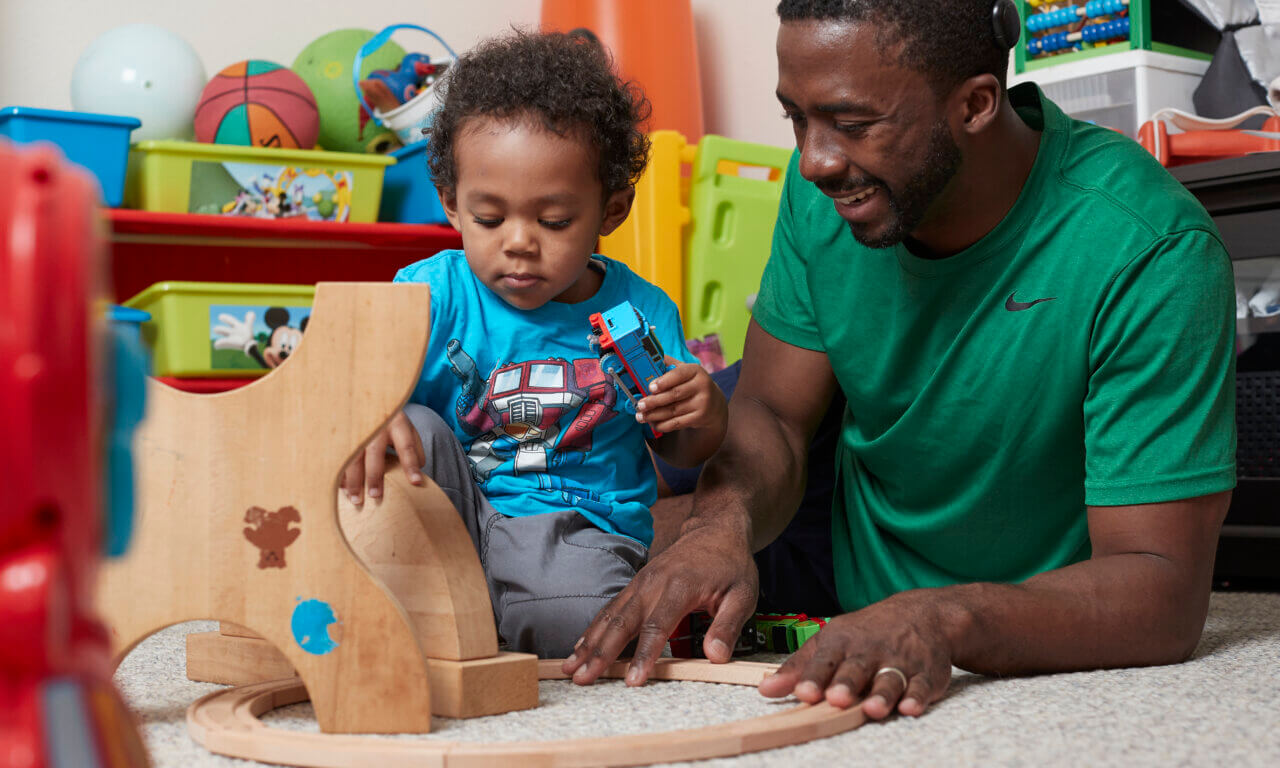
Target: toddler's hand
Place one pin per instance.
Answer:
(370, 464)
(683, 398)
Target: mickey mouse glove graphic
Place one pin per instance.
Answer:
(236, 334)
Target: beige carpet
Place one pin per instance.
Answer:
(1220, 708)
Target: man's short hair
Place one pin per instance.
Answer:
(947, 41)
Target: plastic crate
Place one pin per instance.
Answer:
(262, 182)
(1120, 91)
(408, 193)
(222, 330)
(97, 143)
(651, 239)
(734, 204)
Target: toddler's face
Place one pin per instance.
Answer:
(529, 206)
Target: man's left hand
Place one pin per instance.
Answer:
(852, 659)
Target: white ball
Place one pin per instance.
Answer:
(142, 71)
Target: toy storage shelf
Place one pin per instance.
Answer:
(1243, 196)
(150, 247)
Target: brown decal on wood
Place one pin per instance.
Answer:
(271, 533)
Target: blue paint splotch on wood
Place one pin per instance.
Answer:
(310, 625)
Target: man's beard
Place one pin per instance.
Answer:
(908, 207)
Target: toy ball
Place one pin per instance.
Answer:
(258, 104)
(142, 71)
(325, 66)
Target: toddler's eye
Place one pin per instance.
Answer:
(556, 224)
(490, 223)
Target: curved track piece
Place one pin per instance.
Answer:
(227, 722)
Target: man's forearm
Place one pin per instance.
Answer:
(688, 447)
(1121, 610)
(757, 478)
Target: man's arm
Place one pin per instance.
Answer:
(1141, 599)
(747, 494)
(760, 473)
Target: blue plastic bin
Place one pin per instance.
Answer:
(408, 195)
(97, 143)
(129, 397)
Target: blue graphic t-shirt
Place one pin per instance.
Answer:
(544, 428)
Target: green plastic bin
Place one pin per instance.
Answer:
(222, 330)
(259, 182)
(733, 202)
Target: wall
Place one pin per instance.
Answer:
(40, 41)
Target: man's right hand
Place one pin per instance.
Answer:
(369, 465)
(708, 568)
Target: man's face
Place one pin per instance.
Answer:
(870, 131)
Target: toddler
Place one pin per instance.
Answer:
(535, 151)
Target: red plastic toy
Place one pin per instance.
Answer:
(58, 708)
(1207, 139)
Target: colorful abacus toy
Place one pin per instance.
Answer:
(1057, 32)
(1096, 22)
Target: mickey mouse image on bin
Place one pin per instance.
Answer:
(282, 342)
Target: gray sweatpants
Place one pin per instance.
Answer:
(548, 574)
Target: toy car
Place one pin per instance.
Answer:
(627, 345)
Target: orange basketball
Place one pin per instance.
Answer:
(258, 104)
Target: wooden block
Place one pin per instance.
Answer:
(233, 660)
(507, 682)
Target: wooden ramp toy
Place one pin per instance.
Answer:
(237, 521)
(438, 580)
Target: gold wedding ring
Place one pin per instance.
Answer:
(894, 671)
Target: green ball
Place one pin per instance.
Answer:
(325, 66)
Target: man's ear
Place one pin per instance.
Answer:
(616, 208)
(449, 201)
(976, 103)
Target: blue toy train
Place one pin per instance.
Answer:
(628, 345)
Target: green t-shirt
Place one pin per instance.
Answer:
(978, 428)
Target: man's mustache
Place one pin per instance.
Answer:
(836, 189)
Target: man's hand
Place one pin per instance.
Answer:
(370, 465)
(851, 658)
(708, 568)
(684, 397)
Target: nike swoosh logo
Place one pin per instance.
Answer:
(1018, 306)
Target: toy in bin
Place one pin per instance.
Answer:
(386, 89)
(402, 100)
(629, 351)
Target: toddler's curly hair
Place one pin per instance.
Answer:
(564, 82)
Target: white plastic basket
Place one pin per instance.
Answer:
(1120, 90)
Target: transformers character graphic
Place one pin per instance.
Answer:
(516, 414)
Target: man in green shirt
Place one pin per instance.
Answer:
(1033, 325)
